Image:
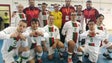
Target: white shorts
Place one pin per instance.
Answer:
(8, 57)
(32, 54)
(93, 53)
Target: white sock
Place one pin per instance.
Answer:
(70, 55)
(79, 55)
(25, 54)
(39, 55)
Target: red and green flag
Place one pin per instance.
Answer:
(75, 36)
(45, 22)
(44, 13)
(100, 28)
(91, 44)
(51, 29)
(51, 41)
(21, 16)
(74, 24)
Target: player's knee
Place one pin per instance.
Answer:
(71, 44)
(39, 49)
(50, 57)
(60, 45)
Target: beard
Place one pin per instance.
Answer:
(89, 8)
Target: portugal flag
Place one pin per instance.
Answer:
(100, 28)
(21, 16)
(75, 36)
(51, 41)
(51, 29)
(74, 24)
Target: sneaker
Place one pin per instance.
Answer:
(61, 56)
(86, 55)
(73, 55)
(107, 56)
(19, 60)
(79, 61)
(70, 60)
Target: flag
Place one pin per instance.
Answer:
(75, 36)
(33, 45)
(51, 29)
(16, 38)
(91, 44)
(45, 22)
(100, 28)
(21, 16)
(74, 25)
(51, 41)
(44, 13)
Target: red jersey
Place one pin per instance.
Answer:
(66, 11)
(90, 14)
(31, 12)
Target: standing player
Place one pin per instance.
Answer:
(101, 26)
(90, 13)
(18, 16)
(53, 41)
(13, 40)
(43, 16)
(80, 16)
(31, 11)
(71, 31)
(66, 12)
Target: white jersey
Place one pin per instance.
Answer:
(15, 20)
(80, 19)
(92, 44)
(37, 39)
(5, 35)
(53, 32)
(71, 30)
(102, 27)
(43, 17)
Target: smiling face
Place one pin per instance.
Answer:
(44, 6)
(34, 25)
(100, 20)
(73, 16)
(20, 8)
(91, 25)
(21, 26)
(51, 20)
(79, 8)
(56, 7)
(32, 3)
(67, 2)
(89, 5)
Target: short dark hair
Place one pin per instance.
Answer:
(44, 4)
(23, 21)
(89, 1)
(50, 15)
(34, 20)
(90, 21)
(99, 16)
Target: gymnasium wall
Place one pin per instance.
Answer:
(104, 6)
